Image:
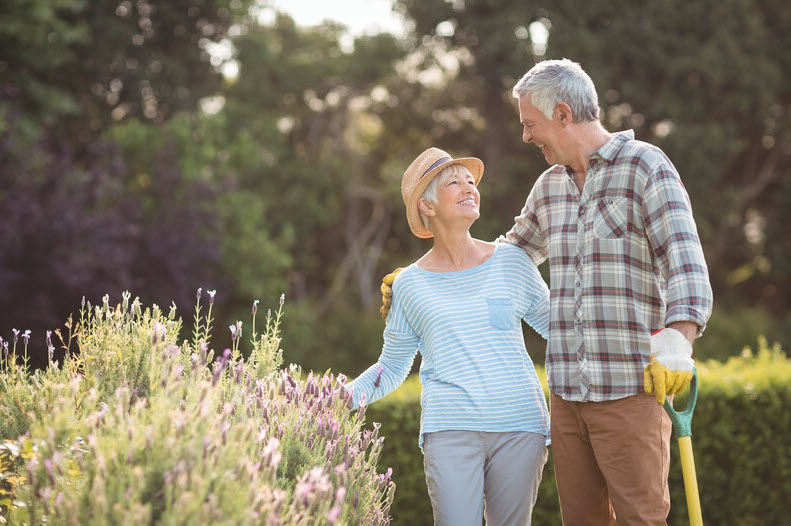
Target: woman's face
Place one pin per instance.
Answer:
(458, 197)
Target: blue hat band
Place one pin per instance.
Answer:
(438, 162)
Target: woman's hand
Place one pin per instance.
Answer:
(387, 292)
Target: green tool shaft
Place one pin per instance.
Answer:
(690, 481)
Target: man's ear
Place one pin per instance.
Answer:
(563, 113)
(426, 207)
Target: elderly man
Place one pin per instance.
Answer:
(629, 293)
(615, 222)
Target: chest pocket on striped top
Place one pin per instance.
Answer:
(500, 312)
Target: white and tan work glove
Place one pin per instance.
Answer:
(670, 368)
(387, 292)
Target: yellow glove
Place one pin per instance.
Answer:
(670, 368)
(387, 292)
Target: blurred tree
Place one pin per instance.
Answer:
(82, 217)
(78, 66)
(73, 230)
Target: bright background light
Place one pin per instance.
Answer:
(361, 17)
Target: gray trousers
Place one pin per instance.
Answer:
(465, 469)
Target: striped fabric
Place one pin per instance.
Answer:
(624, 259)
(475, 371)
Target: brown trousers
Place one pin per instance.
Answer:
(611, 460)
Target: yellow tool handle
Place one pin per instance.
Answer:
(690, 481)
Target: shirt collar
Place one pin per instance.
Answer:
(610, 150)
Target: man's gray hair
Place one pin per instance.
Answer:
(552, 81)
(430, 193)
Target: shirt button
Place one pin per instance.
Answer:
(577, 284)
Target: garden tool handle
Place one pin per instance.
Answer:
(682, 422)
(690, 481)
(682, 425)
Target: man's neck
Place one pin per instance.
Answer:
(590, 137)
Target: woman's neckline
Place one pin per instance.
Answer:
(457, 272)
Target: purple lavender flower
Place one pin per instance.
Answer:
(159, 332)
(48, 466)
(200, 289)
(271, 450)
(26, 336)
(255, 307)
(16, 335)
(379, 371)
(211, 296)
(334, 513)
(222, 361)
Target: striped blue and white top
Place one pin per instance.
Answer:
(475, 371)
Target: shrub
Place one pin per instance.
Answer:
(739, 438)
(137, 429)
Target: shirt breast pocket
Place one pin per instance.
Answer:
(501, 312)
(609, 221)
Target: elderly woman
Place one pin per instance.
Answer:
(484, 424)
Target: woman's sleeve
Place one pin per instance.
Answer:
(537, 294)
(393, 366)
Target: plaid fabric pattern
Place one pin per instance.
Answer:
(625, 259)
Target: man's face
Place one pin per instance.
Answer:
(539, 130)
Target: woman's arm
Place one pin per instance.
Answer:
(391, 369)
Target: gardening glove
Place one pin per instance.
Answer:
(670, 368)
(387, 292)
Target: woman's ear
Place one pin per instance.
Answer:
(425, 206)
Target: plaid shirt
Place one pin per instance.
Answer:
(624, 258)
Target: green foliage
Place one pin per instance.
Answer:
(743, 464)
(350, 341)
(741, 457)
(732, 328)
(399, 414)
(137, 429)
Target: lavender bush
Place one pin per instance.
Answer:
(135, 428)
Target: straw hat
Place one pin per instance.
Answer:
(420, 173)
